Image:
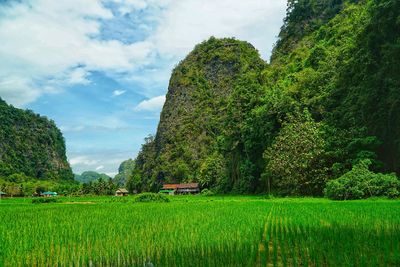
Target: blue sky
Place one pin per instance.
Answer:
(100, 68)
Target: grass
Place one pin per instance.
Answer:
(200, 231)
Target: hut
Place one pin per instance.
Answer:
(49, 194)
(2, 194)
(169, 189)
(121, 192)
(191, 188)
(180, 189)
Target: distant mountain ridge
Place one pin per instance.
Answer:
(91, 176)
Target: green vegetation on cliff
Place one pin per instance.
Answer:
(328, 100)
(124, 171)
(31, 145)
(32, 154)
(210, 95)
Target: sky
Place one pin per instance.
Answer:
(100, 68)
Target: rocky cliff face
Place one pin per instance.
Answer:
(32, 145)
(335, 65)
(202, 105)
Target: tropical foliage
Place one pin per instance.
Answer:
(328, 99)
(362, 183)
(31, 145)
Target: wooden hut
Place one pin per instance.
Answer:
(169, 189)
(121, 192)
(180, 189)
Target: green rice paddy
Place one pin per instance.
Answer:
(200, 231)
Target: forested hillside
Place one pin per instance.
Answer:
(328, 100)
(124, 170)
(210, 93)
(31, 146)
(91, 176)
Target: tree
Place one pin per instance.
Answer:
(295, 162)
(134, 182)
(247, 181)
(212, 171)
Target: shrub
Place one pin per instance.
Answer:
(207, 192)
(384, 185)
(360, 183)
(45, 200)
(151, 197)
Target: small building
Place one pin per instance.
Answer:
(169, 189)
(121, 192)
(2, 194)
(49, 194)
(180, 189)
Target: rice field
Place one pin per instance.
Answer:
(200, 231)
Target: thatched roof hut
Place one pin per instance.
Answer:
(121, 192)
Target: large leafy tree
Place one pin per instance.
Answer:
(212, 171)
(295, 161)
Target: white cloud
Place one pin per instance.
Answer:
(47, 45)
(99, 167)
(82, 160)
(153, 104)
(78, 76)
(119, 92)
(186, 23)
(18, 90)
(183, 24)
(104, 160)
(127, 6)
(55, 41)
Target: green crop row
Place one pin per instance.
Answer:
(200, 231)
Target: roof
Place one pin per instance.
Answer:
(181, 186)
(49, 193)
(170, 186)
(121, 190)
(2, 193)
(190, 185)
